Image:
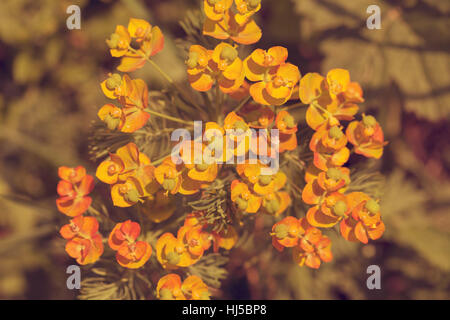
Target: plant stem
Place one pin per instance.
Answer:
(293, 106)
(167, 77)
(241, 104)
(162, 115)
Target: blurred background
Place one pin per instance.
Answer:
(50, 94)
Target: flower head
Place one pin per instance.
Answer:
(74, 190)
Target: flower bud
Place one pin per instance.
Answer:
(340, 208)
(113, 82)
(281, 231)
(272, 206)
(165, 294)
(253, 4)
(240, 125)
(173, 258)
(229, 53)
(192, 60)
(132, 196)
(264, 179)
(113, 41)
(369, 121)
(335, 132)
(289, 121)
(372, 206)
(242, 204)
(201, 166)
(111, 122)
(334, 173)
(169, 184)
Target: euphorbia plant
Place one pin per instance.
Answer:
(246, 104)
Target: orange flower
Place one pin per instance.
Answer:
(198, 170)
(367, 137)
(194, 239)
(329, 212)
(199, 73)
(134, 255)
(286, 233)
(131, 175)
(275, 203)
(85, 243)
(261, 62)
(229, 28)
(238, 135)
(112, 116)
(331, 99)
(160, 208)
(167, 176)
(72, 175)
(257, 116)
(133, 96)
(128, 169)
(246, 8)
(312, 249)
(119, 42)
(150, 40)
(287, 127)
(169, 288)
(215, 9)
(174, 178)
(329, 147)
(83, 227)
(229, 66)
(277, 86)
(263, 184)
(222, 65)
(332, 180)
(194, 288)
(243, 198)
(215, 143)
(73, 199)
(364, 223)
(85, 251)
(241, 93)
(172, 253)
(123, 233)
(225, 239)
(130, 254)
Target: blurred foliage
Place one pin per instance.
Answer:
(50, 95)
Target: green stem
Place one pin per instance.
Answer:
(241, 104)
(162, 115)
(167, 77)
(293, 106)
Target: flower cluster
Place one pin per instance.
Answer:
(130, 174)
(149, 38)
(130, 253)
(310, 247)
(231, 169)
(259, 189)
(84, 241)
(332, 100)
(133, 98)
(191, 242)
(73, 189)
(170, 287)
(223, 22)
